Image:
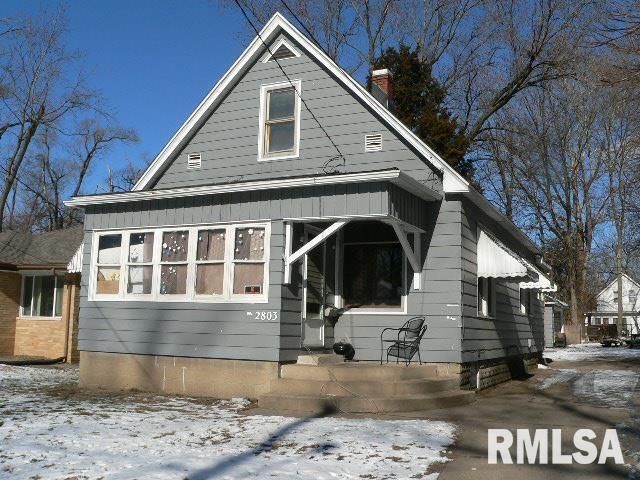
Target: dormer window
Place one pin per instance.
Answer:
(279, 121)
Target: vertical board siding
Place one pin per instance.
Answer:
(228, 139)
(510, 332)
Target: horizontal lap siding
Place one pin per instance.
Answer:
(511, 331)
(219, 330)
(438, 299)
(228, 139)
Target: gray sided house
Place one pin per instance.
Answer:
(285, 197)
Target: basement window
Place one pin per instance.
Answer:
(42, 296)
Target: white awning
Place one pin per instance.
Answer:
(496, 260)
(75, 265)
(543, 284)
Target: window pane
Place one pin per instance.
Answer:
(280, 137)
(139, 281)
(108, 280)
(109, 249)
(480, 294)
(141, 247)
(175, 246)
(173, 280)
(211, 245)
(281, 104)
(26, 298)
(59, 295)
(373, 275)
(43, 295)
(248, 278)
(210, 279)
(249, 244)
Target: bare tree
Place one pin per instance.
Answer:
(37, 91)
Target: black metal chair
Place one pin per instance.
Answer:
(407, 342)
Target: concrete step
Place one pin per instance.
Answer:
(358, 372)
(419, 386)
(313, 404)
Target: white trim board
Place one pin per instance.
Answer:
(452, 181)
(394, 176)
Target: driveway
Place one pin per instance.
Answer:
(587, 387)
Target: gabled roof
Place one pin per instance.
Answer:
(51, 248)
(615, 280)
(452, 180)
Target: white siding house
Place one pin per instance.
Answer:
(607, 309)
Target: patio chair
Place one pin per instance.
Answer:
(407, 341)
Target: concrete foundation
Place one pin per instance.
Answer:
(205, 377)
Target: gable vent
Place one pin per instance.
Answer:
(373, 143)
(194, 161)
(281, 53)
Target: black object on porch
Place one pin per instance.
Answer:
(407, 342)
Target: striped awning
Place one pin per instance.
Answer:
(496, 260)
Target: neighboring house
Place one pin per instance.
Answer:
(607, 310)
(555, 312)
(39, 293)
(223, 261)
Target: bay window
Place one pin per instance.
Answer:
(42, 296)
(202, 263)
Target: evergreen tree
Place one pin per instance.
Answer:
(418, 101)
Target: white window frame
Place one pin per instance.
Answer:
(32, 275)
(263, 156)
(129, 264)
(190, 295)
(487, 303)
(402, 310)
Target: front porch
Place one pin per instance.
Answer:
(351, 266)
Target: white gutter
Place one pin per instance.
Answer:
(394, 176)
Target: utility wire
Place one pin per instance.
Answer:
(308, 32)
(329, 163)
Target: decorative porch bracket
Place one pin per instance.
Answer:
(413, 254)
(290, 258)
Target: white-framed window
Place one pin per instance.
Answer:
(279, 133)
(42, 295)
(209, 263)
(372, 274)
(487, 297)
(526, 301)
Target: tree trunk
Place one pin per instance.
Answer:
(620, 320)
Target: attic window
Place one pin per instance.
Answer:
(373, 143)
(194, 161)
(281, 51)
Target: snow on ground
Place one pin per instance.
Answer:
(46, 433)
(587, 351)
(611, 388)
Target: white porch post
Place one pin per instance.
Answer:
(417, 275)
(288, 240)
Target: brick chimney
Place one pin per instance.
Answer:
(382, 86)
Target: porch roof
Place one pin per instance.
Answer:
(393, 175)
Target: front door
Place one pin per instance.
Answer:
(313, 295)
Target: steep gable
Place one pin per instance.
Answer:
(228, 119)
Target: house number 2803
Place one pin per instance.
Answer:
(264, 315)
